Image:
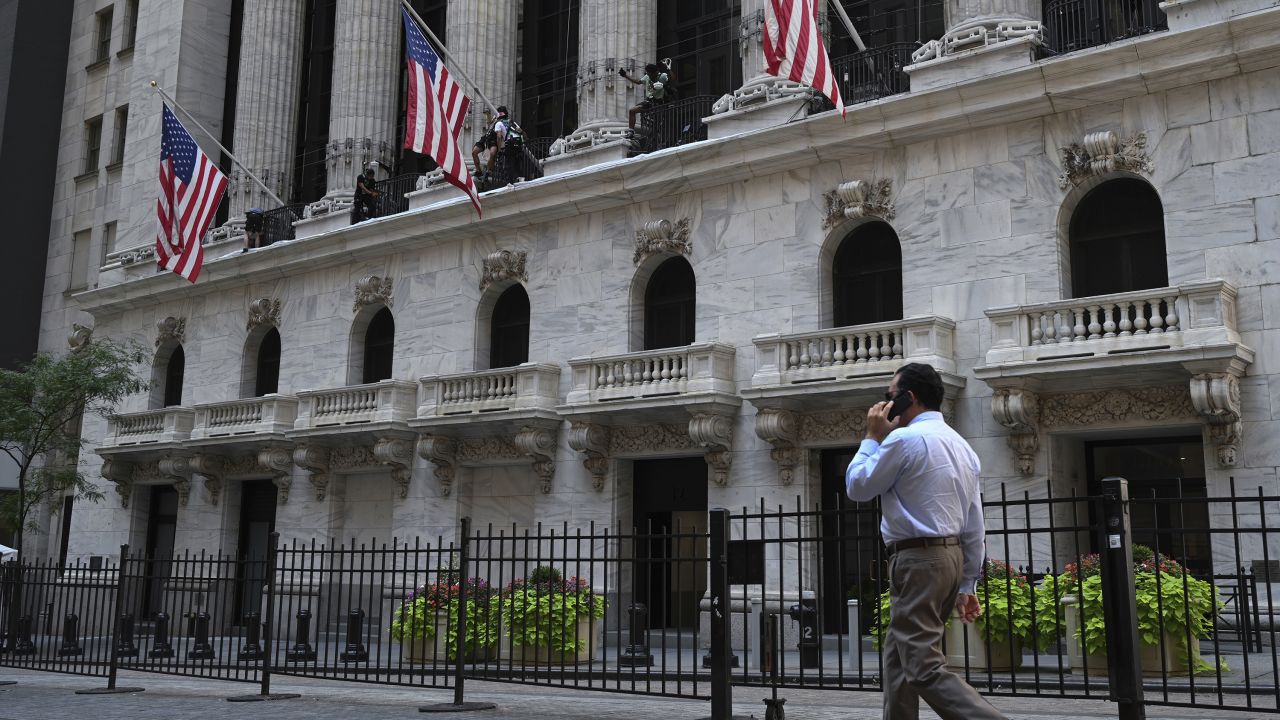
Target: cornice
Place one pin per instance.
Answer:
(1149, 63)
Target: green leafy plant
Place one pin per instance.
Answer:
(416, 618)
(544, 609)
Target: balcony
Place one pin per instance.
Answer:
(664, 378)
(674, 123)
(825, 368)
(488, 399)
(1141, 337)
(150, 428)
(250, 421)
(356, 409)
(1072, 25)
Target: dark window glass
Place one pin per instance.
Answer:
(1117, 240)
(103, 49)
(867, 274)
(379, 346)
(669, 306)
(883, 22)
(173, 377)
(309, 182)
(509, 331)
(549, 68)
(700, 38)
(122, 127)
(267, 378)
(131, 24)
(93, 144)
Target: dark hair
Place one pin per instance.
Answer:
(651, 67)
(502, 109)
(923, 382)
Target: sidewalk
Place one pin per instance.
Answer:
(47, 696)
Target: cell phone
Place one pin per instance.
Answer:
(901, 402)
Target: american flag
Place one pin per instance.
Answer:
(191, 187)
(435, 102)
(793, 47)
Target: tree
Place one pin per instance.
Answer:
(41, 407)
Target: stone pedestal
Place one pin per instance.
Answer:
(977, 31)
(608, 151)
(771, 112)
(972, 64)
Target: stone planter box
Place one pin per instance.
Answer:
(434, 650)
(542, 655)
(1154, 661)
(981, 655)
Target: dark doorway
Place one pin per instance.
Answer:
(850, 548)
(509, 329)
(173, 373)
(867, 276)
(267, 376)
(162, 526)
(257, 522)
(670, 516)
(669, 306)
(379, 347)
(1160, 468)
(68, 503)
(1117, 240)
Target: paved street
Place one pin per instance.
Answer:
(47, 696)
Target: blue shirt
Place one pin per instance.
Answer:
(926, 476)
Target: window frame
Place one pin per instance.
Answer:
(103, 20)
(119, 134)
(92, 144)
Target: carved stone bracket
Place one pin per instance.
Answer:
(372, 290)
(859, 198)
(79, 336)
(662, 237)
(1018, 410)
(212, 469)
(315, 460)
(504, 265)
(171, 328)
(263, 311)
(1216, 396)
(781, 429)
(1101, 153)
(441, 452)
(592, 440)
(714, 433)
(539, 444)
(279, 462)
(397, 453)
(184, 491)
(120, 473)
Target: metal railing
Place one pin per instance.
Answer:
(277, 223)
(392, 199)
(673, 123)
(1072, 25)
(873, 74)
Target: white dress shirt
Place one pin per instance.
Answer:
(926, 476)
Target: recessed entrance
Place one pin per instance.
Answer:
(850, 548)
(257, 522)
(162, 526)
(670, 497)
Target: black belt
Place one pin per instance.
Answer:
(920, 542)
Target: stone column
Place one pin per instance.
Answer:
(481, 37)
(758, 88)
(611, 36)
(982, 37)
(267, 102)
(363, 99)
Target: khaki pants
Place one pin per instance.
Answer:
(923, 586)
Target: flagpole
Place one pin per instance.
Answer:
(848, 25)
(210, 135)
(457, 67)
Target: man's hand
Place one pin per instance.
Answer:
(968, 607)
(878, 423)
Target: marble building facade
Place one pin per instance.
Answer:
(978, 173)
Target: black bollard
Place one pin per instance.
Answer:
(355, 650)
(201, 650)
(161, 647)
(125, 646)
(636, 654)
(302, 650)
(252, 648)
(70, 637)
(24, 646)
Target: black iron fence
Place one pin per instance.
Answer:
(277, 223)
(673, 123)
(392, 191)
(1072, 25)
(1142, 600)
(874, 73)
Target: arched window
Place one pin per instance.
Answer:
(867, 276)
(379, 346)
(1117, 240)
(267, 372)
(509, 329)
(669, 305)
(173, 372)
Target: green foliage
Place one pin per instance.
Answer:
(418, 614)
(544, 610)
(41, 407)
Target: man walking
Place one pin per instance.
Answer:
(926, 477)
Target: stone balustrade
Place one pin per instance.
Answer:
(250, 416)
(873, 350)
(527, 386)
(698, 368)
(381, 402)
(171, 424)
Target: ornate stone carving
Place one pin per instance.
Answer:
(835, 426)
(714, 433)
(211, 467)
(476, 450)
(1018, 410)
(662, 237)
(1161, 402)
(504, 265)
(539, 444)
(171, 328)
(120, 473)
(634, 439)
(1216, 396)
(593, 441)
(147, 473)
(315, 460)
(349, 457)
(442, 453)
(1101, 153)
(279, 462)
(184, 491)
(859, 198)
(79, 336)
(372, 290)
(175, 466)
(781, 429)
(397, 453)
(263, 311)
